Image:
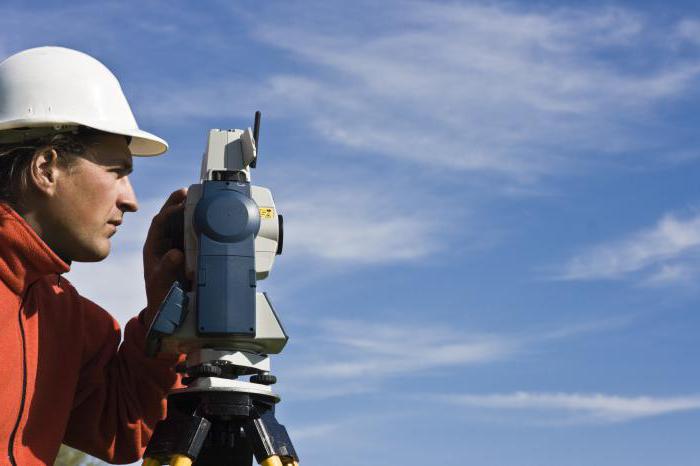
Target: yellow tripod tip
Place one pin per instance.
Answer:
(272, 461)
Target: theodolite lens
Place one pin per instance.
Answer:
(226, 175)
(280, 236)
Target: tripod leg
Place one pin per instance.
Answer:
(269, 438)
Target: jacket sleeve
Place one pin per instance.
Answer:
(121, 392)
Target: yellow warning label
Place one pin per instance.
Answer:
(267, 213)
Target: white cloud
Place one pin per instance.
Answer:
(672, 239)
(585, 407)
(116, 284)
(360, 225)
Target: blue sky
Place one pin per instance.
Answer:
(492, 210)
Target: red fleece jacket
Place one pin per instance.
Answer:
(64, 377)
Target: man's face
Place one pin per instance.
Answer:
(91, 198)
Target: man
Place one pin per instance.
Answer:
(67, 136)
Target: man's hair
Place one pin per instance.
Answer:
(16, 158)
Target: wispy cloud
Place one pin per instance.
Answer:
(584, 407)
(658, 250)
(667, 274)
(363, 349)
(348, 351)
(498, 88)
(688, 30)
(316, 431)
(354, 357)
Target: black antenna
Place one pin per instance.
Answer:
(256, 134)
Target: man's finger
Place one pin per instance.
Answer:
(165, 213)
(176, 197)
(173, 258)
(157, 229)
(171, 267)
(167, 265)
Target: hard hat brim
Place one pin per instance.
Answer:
(143, 143)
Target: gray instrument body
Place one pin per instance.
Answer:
(232, 234)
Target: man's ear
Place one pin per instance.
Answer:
(44, 171)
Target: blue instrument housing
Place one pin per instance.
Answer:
(226, 220)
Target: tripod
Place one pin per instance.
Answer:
(220, 428)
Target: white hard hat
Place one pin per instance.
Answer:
(55, 88)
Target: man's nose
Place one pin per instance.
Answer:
(127, 197)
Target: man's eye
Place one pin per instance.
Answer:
(121, 171)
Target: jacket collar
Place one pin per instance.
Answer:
(24, 257)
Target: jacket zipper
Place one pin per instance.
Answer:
(10, 447)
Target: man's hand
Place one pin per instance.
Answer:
(162, 264)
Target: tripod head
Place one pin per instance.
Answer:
(232, 233)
